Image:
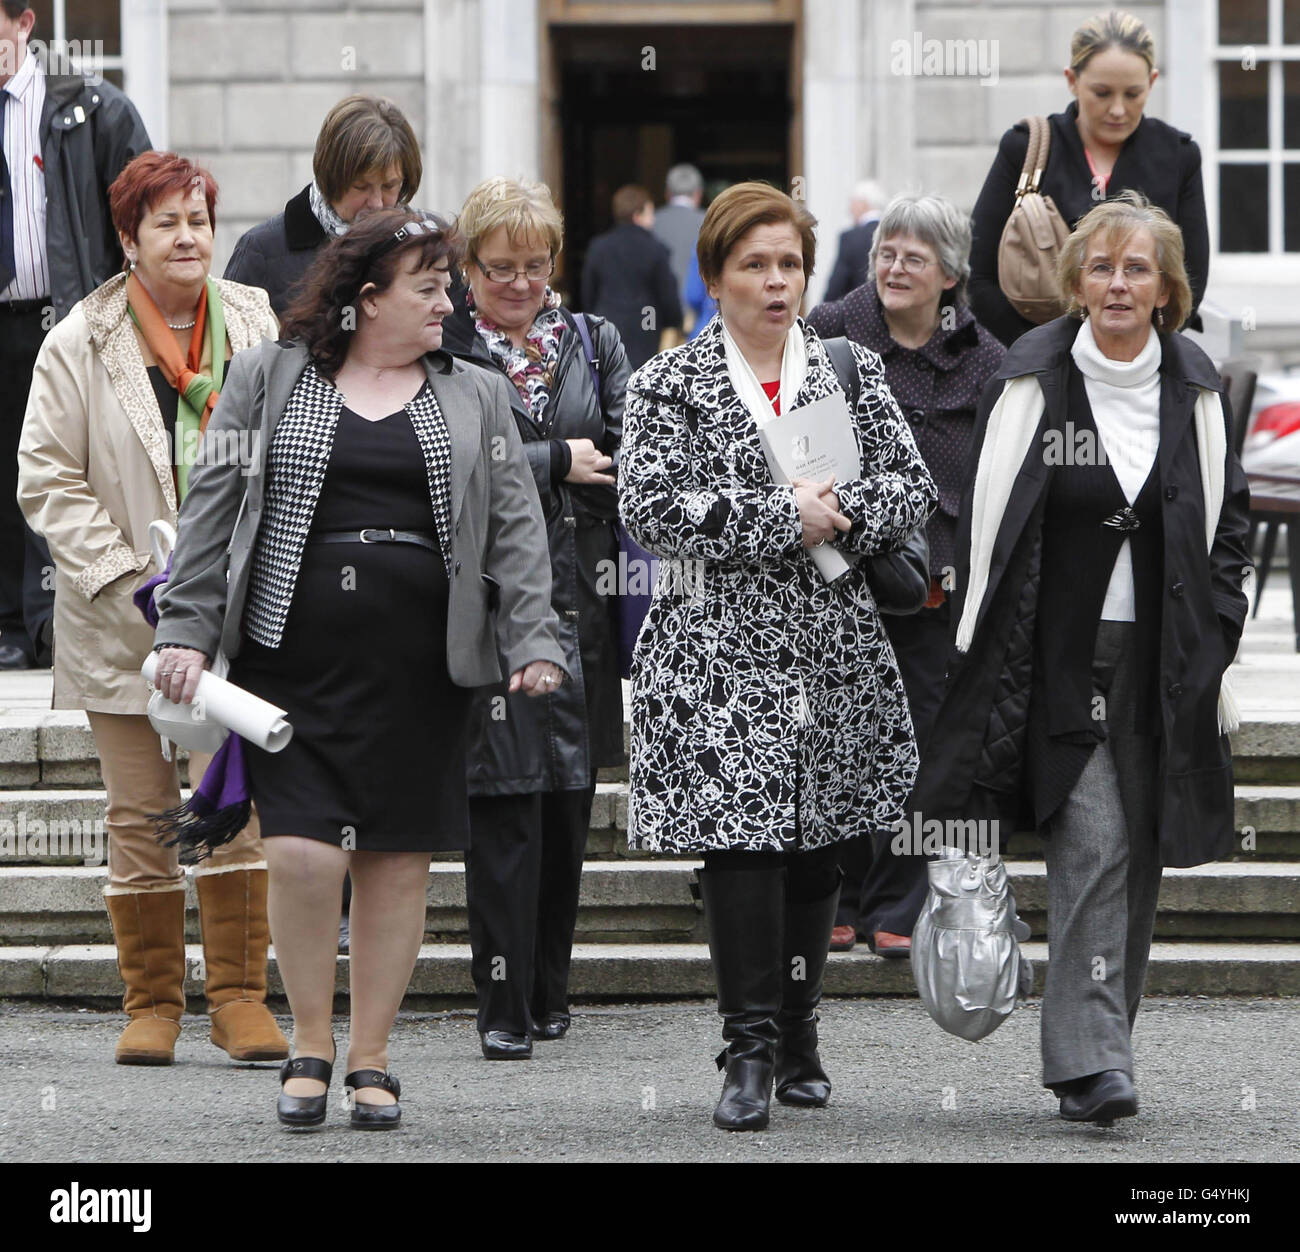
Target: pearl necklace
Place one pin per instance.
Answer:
(184, 325)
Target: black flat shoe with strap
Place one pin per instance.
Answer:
(374, 1116)
(304, 1112)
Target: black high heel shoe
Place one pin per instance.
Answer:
(304, 1112)
(374, 1116)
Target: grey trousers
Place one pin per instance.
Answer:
(1103, 880)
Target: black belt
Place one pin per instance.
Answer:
(371, 535)
(22, 308)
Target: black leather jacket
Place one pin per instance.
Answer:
(557, 742)
(89, 132)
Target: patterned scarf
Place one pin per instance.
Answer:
(196, 393)
(532, 367)
(331, 223)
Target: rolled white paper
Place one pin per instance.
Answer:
(249, 716)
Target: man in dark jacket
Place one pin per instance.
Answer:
(628, 278)
(65, 139)
(852, 262)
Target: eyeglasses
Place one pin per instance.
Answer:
(534, 271)
(1136, 274)
(912, 264)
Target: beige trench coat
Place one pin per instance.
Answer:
(94, 469)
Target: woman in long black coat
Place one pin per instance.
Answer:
(1100, 146)
(532, 770)
(912, 312)
(1098, 606)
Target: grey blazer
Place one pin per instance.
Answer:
(501, 572)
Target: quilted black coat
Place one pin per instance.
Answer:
(973, 763)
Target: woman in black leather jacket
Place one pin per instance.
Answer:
(532, 770)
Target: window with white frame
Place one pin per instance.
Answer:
(1257, 68)
(91, 30)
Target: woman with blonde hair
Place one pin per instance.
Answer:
(532, 769)
(1098, 605)
(1101, 145)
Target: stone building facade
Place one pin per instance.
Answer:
(913, 92)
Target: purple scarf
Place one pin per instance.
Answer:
(221, 805)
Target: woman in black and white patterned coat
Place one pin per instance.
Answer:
(769, 720)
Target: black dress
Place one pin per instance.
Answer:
(377, 758)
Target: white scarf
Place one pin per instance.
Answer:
(794, 369)
(330, 222)
(1007, 441)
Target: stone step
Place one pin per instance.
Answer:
(70, 821)
(88, 974)
(651, 901)
(55, 749)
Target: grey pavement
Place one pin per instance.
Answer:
(1217, 1078)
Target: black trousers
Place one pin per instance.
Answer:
(26, 571)
(884, 891)
(523, 871)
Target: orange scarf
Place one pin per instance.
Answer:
(196, 393)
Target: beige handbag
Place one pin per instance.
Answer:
(1033, 237)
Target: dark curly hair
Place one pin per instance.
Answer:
(366, 254)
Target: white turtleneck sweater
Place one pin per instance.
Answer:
(1125, 401)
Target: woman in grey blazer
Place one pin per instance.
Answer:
(364, 542)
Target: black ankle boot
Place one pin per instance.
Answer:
(744, 910)
(800, 1078)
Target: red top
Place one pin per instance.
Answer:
(773, 392)
(1101, 179)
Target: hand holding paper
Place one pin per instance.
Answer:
(221, 702)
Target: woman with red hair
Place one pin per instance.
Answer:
(120, 394)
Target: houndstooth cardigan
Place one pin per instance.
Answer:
(299, 456)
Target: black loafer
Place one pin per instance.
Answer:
(501, 1045)
(304, 1112)
(374, 1116)
(551, 1026)
(1101, 1098)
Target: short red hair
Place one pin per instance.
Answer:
(151, 177)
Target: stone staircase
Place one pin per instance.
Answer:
(1227, 928)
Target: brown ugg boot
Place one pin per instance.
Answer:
(149, 927)
(232, 911)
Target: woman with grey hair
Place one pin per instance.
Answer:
(937, 358)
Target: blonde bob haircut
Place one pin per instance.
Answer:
(1116, 220)
(526, 210)
(737, 211)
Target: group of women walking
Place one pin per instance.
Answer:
(405, 554)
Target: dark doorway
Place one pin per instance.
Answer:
(717, 96)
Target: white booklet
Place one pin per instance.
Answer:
(815, 441)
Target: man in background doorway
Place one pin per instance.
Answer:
(65, 138)
(677, 224)
(865, 207)
(628, 278)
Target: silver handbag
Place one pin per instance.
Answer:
(965, 951)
